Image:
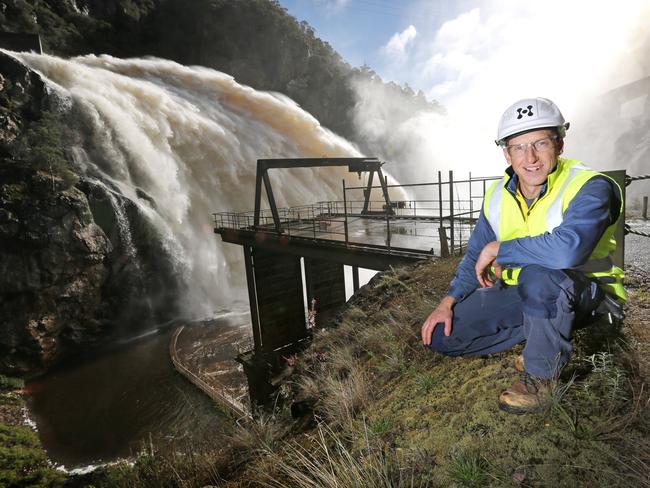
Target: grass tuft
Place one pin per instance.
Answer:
(381, 426)
(426, 383)
(262, 432)
(343, 398)
(470, 470)
(330, 462)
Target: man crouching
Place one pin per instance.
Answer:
(538, 261)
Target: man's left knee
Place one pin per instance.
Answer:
(450, 346)
(540, 289)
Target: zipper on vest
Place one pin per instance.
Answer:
(525, 213)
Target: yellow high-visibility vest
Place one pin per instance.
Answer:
(508, 221)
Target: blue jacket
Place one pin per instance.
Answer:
(592, 210)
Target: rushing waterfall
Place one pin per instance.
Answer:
(122, 223)
(180, 143)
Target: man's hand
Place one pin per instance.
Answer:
(485, 260)
(441, 314)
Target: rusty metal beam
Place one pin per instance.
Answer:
(384, 189)
(354, 164)
(274, 208)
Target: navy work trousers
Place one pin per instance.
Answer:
(540, 310)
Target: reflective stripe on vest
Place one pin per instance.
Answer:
(494, 207)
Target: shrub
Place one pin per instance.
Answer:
(42, 147)
(23, 462)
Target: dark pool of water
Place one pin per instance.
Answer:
(107, 406)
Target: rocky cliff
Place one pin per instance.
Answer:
(52, 265)
(67, 278)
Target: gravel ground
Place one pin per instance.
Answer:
(637, 248)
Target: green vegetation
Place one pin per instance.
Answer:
(10, 383)
(42, 147)
(383, 401)
(182, 465)
(426, 383)
(23, 461)
(381, 426)
(386, 411)
(469, 470)
(328, 462)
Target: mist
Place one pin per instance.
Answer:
(495, 52)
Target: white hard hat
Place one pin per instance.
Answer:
(529, 114)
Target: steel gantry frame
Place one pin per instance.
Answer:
(355, 165)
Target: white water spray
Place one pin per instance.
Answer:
(188, 138)
(495, 52)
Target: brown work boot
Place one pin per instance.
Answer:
(519, 363)
(526, 395)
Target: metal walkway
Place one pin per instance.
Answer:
(359, 240)
(358, 230)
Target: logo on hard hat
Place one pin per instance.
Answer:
(528, 114)
(525, 111)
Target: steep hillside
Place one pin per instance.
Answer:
(368, 406)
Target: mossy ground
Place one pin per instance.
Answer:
(377, 390)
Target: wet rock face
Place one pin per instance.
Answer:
(52, 269)
(142, 287)
(21, 95)
(52, 254)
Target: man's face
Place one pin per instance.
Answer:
(533, 156)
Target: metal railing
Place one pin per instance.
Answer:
(628, 229)
(450, 210)
(443, 220)
(455, 215)
(219, 395)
